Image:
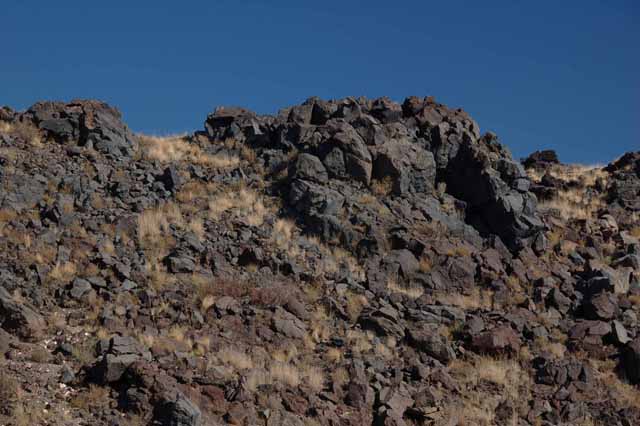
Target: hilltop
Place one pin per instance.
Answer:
(345, 262)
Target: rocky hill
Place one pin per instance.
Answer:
(349, 262)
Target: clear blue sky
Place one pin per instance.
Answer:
(544, 74)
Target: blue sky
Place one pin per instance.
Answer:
(545, 74)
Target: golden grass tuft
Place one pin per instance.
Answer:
(412, 292)
(22, 130)
(285, 373)
(244, 203)
(91, 399)
(171, 149)
(313, 377)
(382, 187)
(585, 175)
(63, 272)
(573, 204)
(235, 358)
(476, 299)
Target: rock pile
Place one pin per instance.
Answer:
(344, 262)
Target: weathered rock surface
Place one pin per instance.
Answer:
(344, 262)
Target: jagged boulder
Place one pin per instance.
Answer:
(415, 146)
(19, 318)
(87, 123)
(541, 160)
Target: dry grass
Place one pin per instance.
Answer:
(285, 354)
(22, 130)
(63, 272)
(478, 407)
(256, 378)
(360, 342)
(91, 399)
(313, 377)
(282, 233)
(459, 251)
(154, 224)
(340, 377)
(412, 292)
(7, 215)
(622, 393)
(333, 355)
(197, 227)
(476, 299)
(235, 358)
(244, 203)
(355, 304)
(9, 389)
(585, 175)
(285, 373)
(573, 204)
(425, 264)
(171, 149)
(556, 349)
(382, 187)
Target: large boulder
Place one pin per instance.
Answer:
(496, 189)
(118, 355)
(87, 123)
(19, 318)
(631, 361)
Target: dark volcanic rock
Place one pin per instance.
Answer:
(541, 159)
(18, 318)
(631, 361)
(87, 123)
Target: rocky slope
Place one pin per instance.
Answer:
(349, 262)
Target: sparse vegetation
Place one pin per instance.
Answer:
(178, 148)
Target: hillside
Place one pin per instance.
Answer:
(349, 262)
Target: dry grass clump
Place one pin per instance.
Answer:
(282, 233)
(585, 175)
(359, 342)
(91, 399)
(63, 272)
(355, 304)
(196, 226)
(176, 148)
(244, 203)
(556, 349)
(285, 354)
(573, 204)
(382, 187)
(478, 407)
(235, 358)
(285, 373)
(411, 291)
(256, 378)
(476, 299)
(154, 224)
(9, 389)
(22, 130)
(340, 377)
(7, 215)
(321, 329)
(313, 377)
(621, 392)
(425, 265)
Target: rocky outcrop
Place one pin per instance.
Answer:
(345, 262)
(18, 318)
(86, 123)
(413, 146)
